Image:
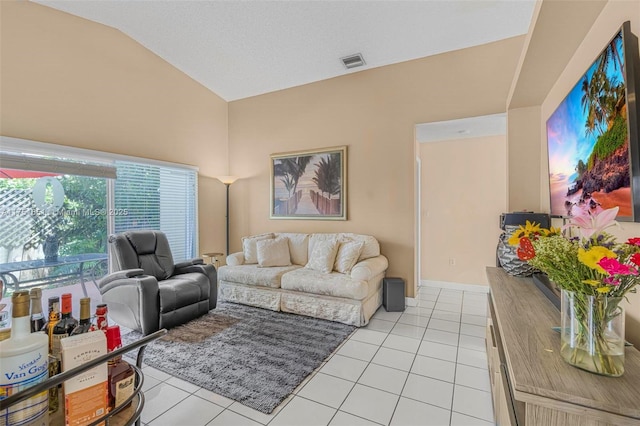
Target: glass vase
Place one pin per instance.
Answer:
(592, 333)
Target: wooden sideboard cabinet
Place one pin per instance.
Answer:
(530, 382)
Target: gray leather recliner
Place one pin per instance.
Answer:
(148, 291)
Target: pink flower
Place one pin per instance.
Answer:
(588, 224)
(611, 281)
(634, 241)
(613, 267)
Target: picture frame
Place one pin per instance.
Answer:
(309, 184)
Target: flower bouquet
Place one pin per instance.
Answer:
(594, 273)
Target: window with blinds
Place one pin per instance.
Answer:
(149, 196)
(145, 194)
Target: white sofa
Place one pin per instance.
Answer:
(302, 287)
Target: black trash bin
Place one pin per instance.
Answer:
(393, 294)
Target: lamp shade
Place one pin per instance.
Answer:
(227, 180)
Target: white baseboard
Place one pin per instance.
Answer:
(455, 286)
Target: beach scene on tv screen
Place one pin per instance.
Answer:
(588, 141)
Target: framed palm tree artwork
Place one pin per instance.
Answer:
(309, 184)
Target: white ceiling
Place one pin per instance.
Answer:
(464, 128)
(239, 49)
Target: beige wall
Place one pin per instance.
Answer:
(463, 193)
(604, 27)
(69, 81)
(373, 112)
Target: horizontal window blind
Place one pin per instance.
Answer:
(161, 198)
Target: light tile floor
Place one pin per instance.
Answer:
(424, 366)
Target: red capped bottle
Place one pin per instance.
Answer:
(101, 322)
(64, 327)
(121, 374)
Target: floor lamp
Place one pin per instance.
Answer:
(227, 180)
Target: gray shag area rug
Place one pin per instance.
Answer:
(251, 355)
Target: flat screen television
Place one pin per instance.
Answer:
(592, 137)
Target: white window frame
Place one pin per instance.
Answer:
(25, 147)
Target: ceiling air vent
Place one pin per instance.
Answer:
(353, 61)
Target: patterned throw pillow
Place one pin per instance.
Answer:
(348, 255)
(323, 256)
(273, 252)
(249, 248)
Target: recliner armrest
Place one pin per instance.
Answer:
(120, 275)
(135, 300)
(369, 268)
(197, 261)
(129, 277)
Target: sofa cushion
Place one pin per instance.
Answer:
(254, 275)
(249, 248)
(273, 252)
(334, 284)
(348, 255)
(298, 247)
(323, 256)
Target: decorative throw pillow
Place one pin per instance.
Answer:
(371, 246)
(249, 247)
(348, 255)
(316, 238)
(323, 256)
(273, 252)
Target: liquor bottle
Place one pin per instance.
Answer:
(23, 363)
(85, 317)
(37, 319)
(101, 322)
(121, 374)
(65, 326)
(54, 317)
(54, 361)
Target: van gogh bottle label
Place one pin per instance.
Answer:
(23, 363)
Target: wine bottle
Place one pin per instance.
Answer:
(101, 321)
(85, 317)
(65, 326)
(37, 319)
(121, 375)
(23, 363)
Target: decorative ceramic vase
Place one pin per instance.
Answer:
(592, 333)
(50, 248)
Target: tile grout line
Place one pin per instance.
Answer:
(415, 355)
(455, 368)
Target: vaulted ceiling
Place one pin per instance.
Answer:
(240, 49)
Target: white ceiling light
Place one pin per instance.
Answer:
(353, 61)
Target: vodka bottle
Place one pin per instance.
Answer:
(23, 363)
